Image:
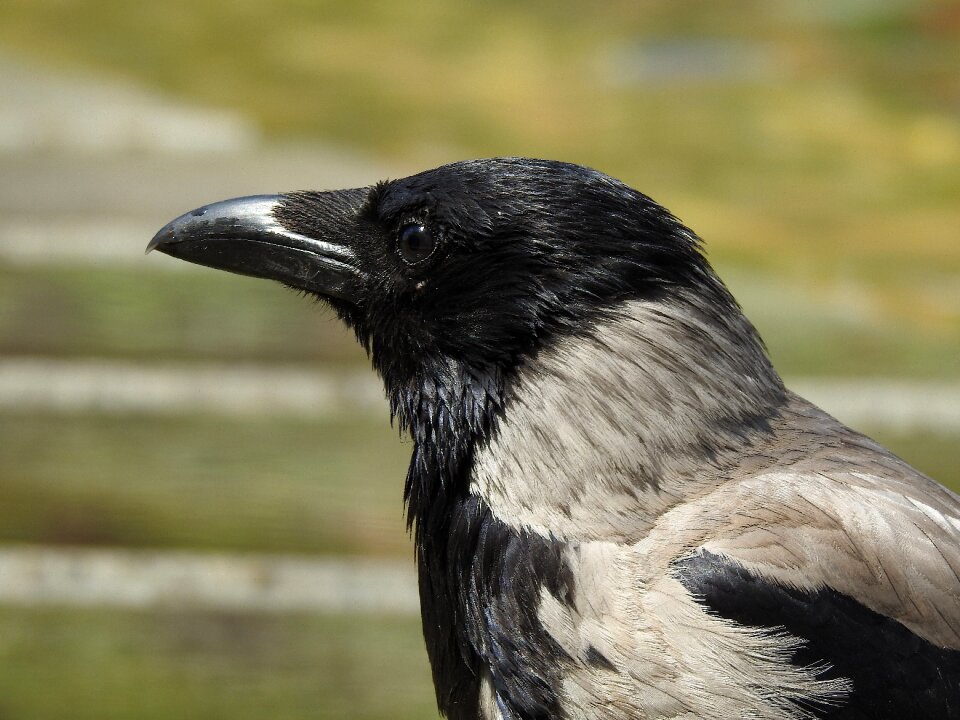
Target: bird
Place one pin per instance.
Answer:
(618, 509)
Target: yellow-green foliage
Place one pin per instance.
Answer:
(816, 141)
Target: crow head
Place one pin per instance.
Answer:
(454, 279)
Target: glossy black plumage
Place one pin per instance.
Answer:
(480, 584)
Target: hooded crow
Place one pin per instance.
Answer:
(618, 509)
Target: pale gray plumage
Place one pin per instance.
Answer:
(803, 501)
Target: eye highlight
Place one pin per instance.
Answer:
(415, 243)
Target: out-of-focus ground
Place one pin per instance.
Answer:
(190, 460)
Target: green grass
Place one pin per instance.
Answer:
(113, 665)
(198, 482)
(538, 77)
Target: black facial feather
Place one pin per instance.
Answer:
(529, 251)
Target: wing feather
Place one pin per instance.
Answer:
(893, 672)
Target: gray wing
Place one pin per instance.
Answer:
(854, 553)
(846, 515)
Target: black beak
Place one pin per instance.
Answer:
(243, 236)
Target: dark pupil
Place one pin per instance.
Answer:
(416, 243)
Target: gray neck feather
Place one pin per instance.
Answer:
(604, 431)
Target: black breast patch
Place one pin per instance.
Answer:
(480, 589)
(895, 673)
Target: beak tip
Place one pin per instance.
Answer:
(164, 237)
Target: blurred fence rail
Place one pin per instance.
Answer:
(112, 386)
(171, 580)
(242, 390)
(925, 406)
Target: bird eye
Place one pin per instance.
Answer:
(415, 243)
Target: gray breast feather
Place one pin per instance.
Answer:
(641, 646)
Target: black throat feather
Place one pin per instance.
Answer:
(447, 408)
(480, 581)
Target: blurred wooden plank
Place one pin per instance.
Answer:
(118, 387)
(143, 580)
(238, 390)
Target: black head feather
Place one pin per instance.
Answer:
(526, 251)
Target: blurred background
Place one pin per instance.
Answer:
(200, 493)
